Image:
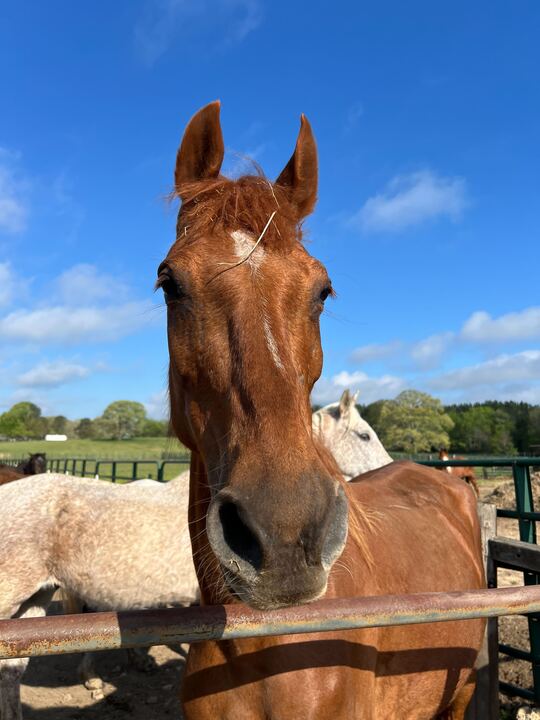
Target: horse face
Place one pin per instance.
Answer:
(243, 330)
(351, 440)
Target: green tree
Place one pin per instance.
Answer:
(58, 425)
(414, 422)
(482, 429)
(154, 428)
(84, 429)
(11, 426)
(372, 414)
(23, 420)
(533, 438)
(121, 420)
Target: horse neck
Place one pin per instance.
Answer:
(206, 565)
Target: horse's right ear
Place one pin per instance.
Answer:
(345, 402)
(201, 152)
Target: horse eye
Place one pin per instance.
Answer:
(325, 292)
(364, 436)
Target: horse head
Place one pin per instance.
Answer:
(243, 304)
(351, 440)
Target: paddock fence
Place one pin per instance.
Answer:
(116, 470)
(523, 556)
(102, 631)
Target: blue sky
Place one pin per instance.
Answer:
(427, 118)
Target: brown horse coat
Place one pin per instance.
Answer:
(272, 522)
(8, 474)
(410, 673)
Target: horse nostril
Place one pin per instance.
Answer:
(238, 537)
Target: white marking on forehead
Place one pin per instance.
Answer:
(271, 343)
(243, 245)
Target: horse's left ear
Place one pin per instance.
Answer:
(300, 175)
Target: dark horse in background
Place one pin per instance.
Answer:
(36, 463)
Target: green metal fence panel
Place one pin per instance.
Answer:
(527, 518)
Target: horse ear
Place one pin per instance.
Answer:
(344, 402)
(355, 397)
(201, 152)
(300, 174)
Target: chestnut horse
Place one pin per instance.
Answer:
(269, 513)
(465, 473)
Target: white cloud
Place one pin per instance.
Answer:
(427, 353)
(85, 284)
(157, 405)
(409, 200)
(7, 284)
(518, 368)
(164, 22)
(67, 325)
(13, 210)
(368, 353)
(53, 374)
(329, 390)
(522, 325)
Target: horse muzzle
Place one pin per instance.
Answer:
(267, 565)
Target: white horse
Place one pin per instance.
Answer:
(115, 547)
(353, 443)
(119, 547)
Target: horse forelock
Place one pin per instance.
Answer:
(244, 204)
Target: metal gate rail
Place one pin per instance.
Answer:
(27, 637)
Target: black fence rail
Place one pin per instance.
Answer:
(117, 470)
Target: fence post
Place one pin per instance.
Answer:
(485, 701)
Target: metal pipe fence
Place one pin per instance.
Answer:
(63, 634)
(150, 626)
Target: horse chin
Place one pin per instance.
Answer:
(260, 596)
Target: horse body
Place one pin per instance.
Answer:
(413, 672)
(115, 547)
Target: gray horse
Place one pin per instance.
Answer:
(353, 443)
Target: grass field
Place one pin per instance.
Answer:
(153, 449)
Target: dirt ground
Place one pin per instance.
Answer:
(52, 691)
(51, 688)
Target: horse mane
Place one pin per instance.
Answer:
(245, 203)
